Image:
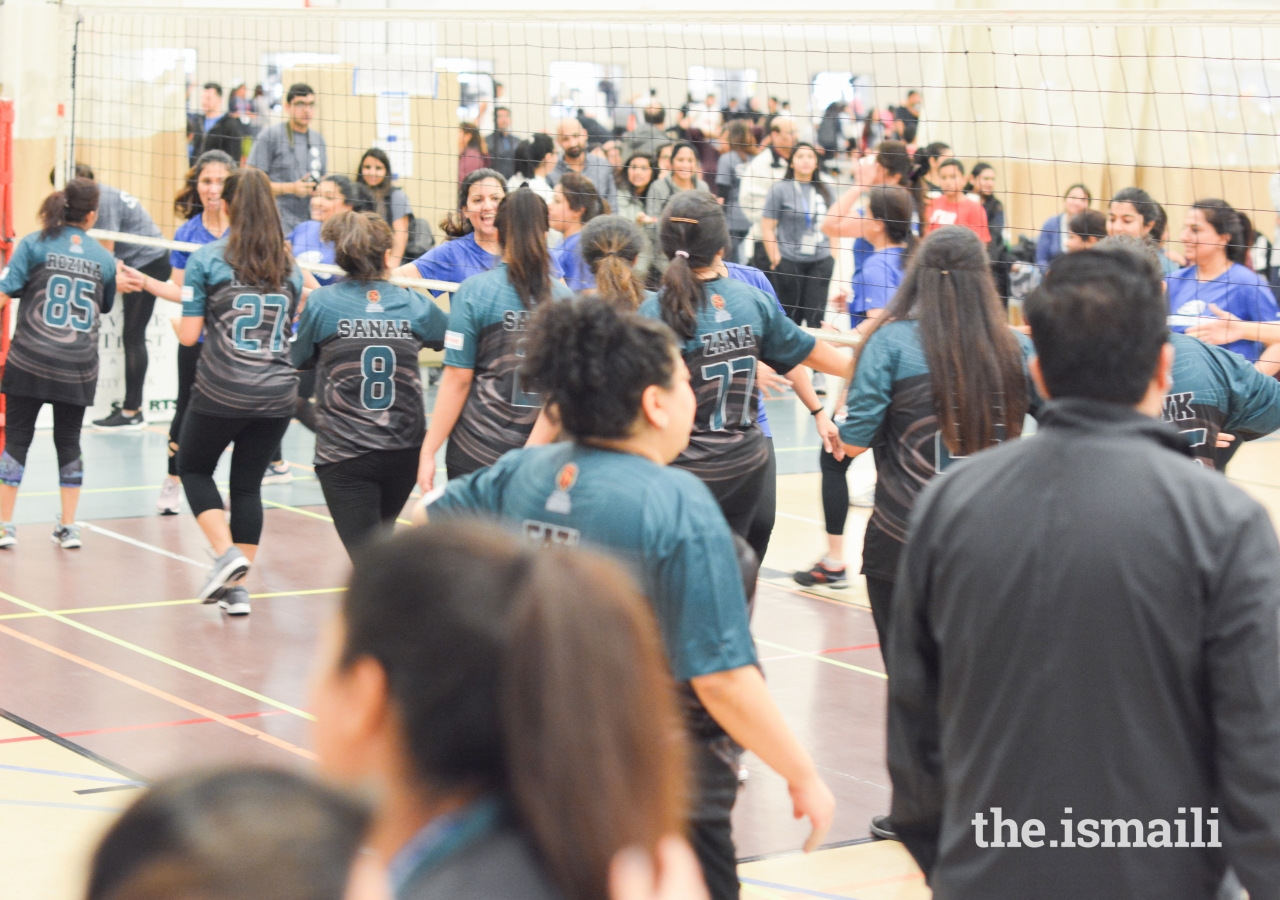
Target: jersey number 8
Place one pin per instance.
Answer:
(378, 384)
(724, 373)
(247, 321)
(69, 302)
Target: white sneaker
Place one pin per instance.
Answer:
(278, 473)
(820, 384)
(8, 534)
(66, 536)
(865, 499)
(170, 501)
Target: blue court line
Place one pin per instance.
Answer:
(48, 805)
(69, 775)
(792, 889)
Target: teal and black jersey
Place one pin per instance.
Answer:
(1215, 390)
(487, 324)
(890, 409)
(363, 338)
(244, 369)
(738, 325)
(660, 522)
(65, 285)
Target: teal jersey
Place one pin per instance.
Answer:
(64, 285)
(363, 338)
(244, 369)
(738, 325)
(890, 409)
(487, 325)
(659, 521)
(1215, 390)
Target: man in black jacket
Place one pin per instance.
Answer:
(213, 128)
(1085, 678)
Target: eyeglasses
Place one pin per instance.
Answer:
(303, 104)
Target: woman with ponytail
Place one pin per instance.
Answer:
(610, 246)
(618, 387)
(509, 708)
(67, 282)
(481, 407)
(891, 165)
(726, 327)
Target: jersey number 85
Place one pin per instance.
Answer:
(68, 302)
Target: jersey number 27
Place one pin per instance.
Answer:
(255, 305)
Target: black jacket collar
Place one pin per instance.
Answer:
(1096, 416)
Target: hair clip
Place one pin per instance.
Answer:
(679, 219)
(684, 253)
(945, 271)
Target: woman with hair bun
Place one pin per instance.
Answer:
(362, 337)
(620, 390)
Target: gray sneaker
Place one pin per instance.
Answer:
(226, 568)
(8, 534)
(66, 536)
(235, 602)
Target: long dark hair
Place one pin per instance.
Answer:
(384, 187)
(818, 184)
(892, 205)
(534, 674)
(188, 204)
(360, 243)
(69, 206)
(256, 250)
(626, 184)
(975, 364)
(456, 224)
(522, 233)
(692, 231)
(895, 158)
(1225, 220)
(610, 246)
(580, 193)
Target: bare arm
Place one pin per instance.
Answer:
(4, 299)
(826, 358)
(741, 703)
(545, 431)
(408, 270)
(451, 396)
(189, 328)
(840, 222)
(827, 430)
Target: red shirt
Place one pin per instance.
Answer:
(940, 211)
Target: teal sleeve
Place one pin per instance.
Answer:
(18, 270)
(302, 346)
(296, 281)
(479, 493)
(108, 283)
(431, 323)
(784, 343)
(194, 288)
(462, 336)
(871, 392)
(1253, 398)
(696, 587)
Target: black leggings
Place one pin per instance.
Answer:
(766, 508)
(138, 307)
(204, 437)
(802, 289)
(366, 494)
(739, 498)
(835, 490)
(188, 358)
(304, 412)
(457, 462)
(20, 430)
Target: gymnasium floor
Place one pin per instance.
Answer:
(110, 674)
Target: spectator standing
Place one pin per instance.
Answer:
(768, 166)
(952, 207)
(831, 133)
(983, 180)
(1126, 604)
(733, 162)
(502, 144)
(907, 117)
(472, 153)
(1132, 212)
(211, 129)
(572, 138)
(649, 135)
(928, 159)
(685, 175)
(390, 202)
(1052, 242)
(293, 155)
(640, 172)
(535, 160)
(799, 252)
(1085, 230)
(706, 116)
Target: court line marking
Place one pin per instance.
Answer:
(50, 805)
(191, 670)
(143, 544)
(58, 774)
(820, 658)
(314, 515)
(792, 889)
(123, 728)
(163, 695)
(152, 604)
(116, 787)
(796, 655)
(66, 744)
(780, 585)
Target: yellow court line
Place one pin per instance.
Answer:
(157, 692)
(313, 515)
(820, 658)
(151, 654)
(158, 603)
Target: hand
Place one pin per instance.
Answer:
(645, 220)
(678, 876)
(774, 254)
(813, 798)
(769, 380)
(1222, 329)
(840, 302)
(1224, 440)
(128, 280)
(303, 188)
(830, 434)
(426, 470)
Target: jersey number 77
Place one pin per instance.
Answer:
(723, 374)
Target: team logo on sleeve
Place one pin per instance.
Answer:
(373, 297)
(453, 340)
(75, 244)
(722, 314)
(559, 501)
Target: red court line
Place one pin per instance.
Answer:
(71, 734)
(798, 655)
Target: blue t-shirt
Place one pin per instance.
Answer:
(308, 248)
(577, 275)
(459, 259)
(659, 521)
(1238, 291)
(876, 281)
(754, 277)
(191, 231)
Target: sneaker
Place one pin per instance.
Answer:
(170, 501)
(820, 574)
(235, 602)
(278, 473)
(865, 499)
(68, 536)
(8, 534)
(882, 828)
(120, 420)
(227, 567)
(820, 384)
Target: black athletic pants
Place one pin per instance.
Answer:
(711, 830)
(365, 494)
(880, 593)
(802, 289)
(204, 437)
(761, 528)
(20, 429)
(304, 412)
(458, 462)
(188, 357)
(835, 490)
(738, 498)
(138, 307)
